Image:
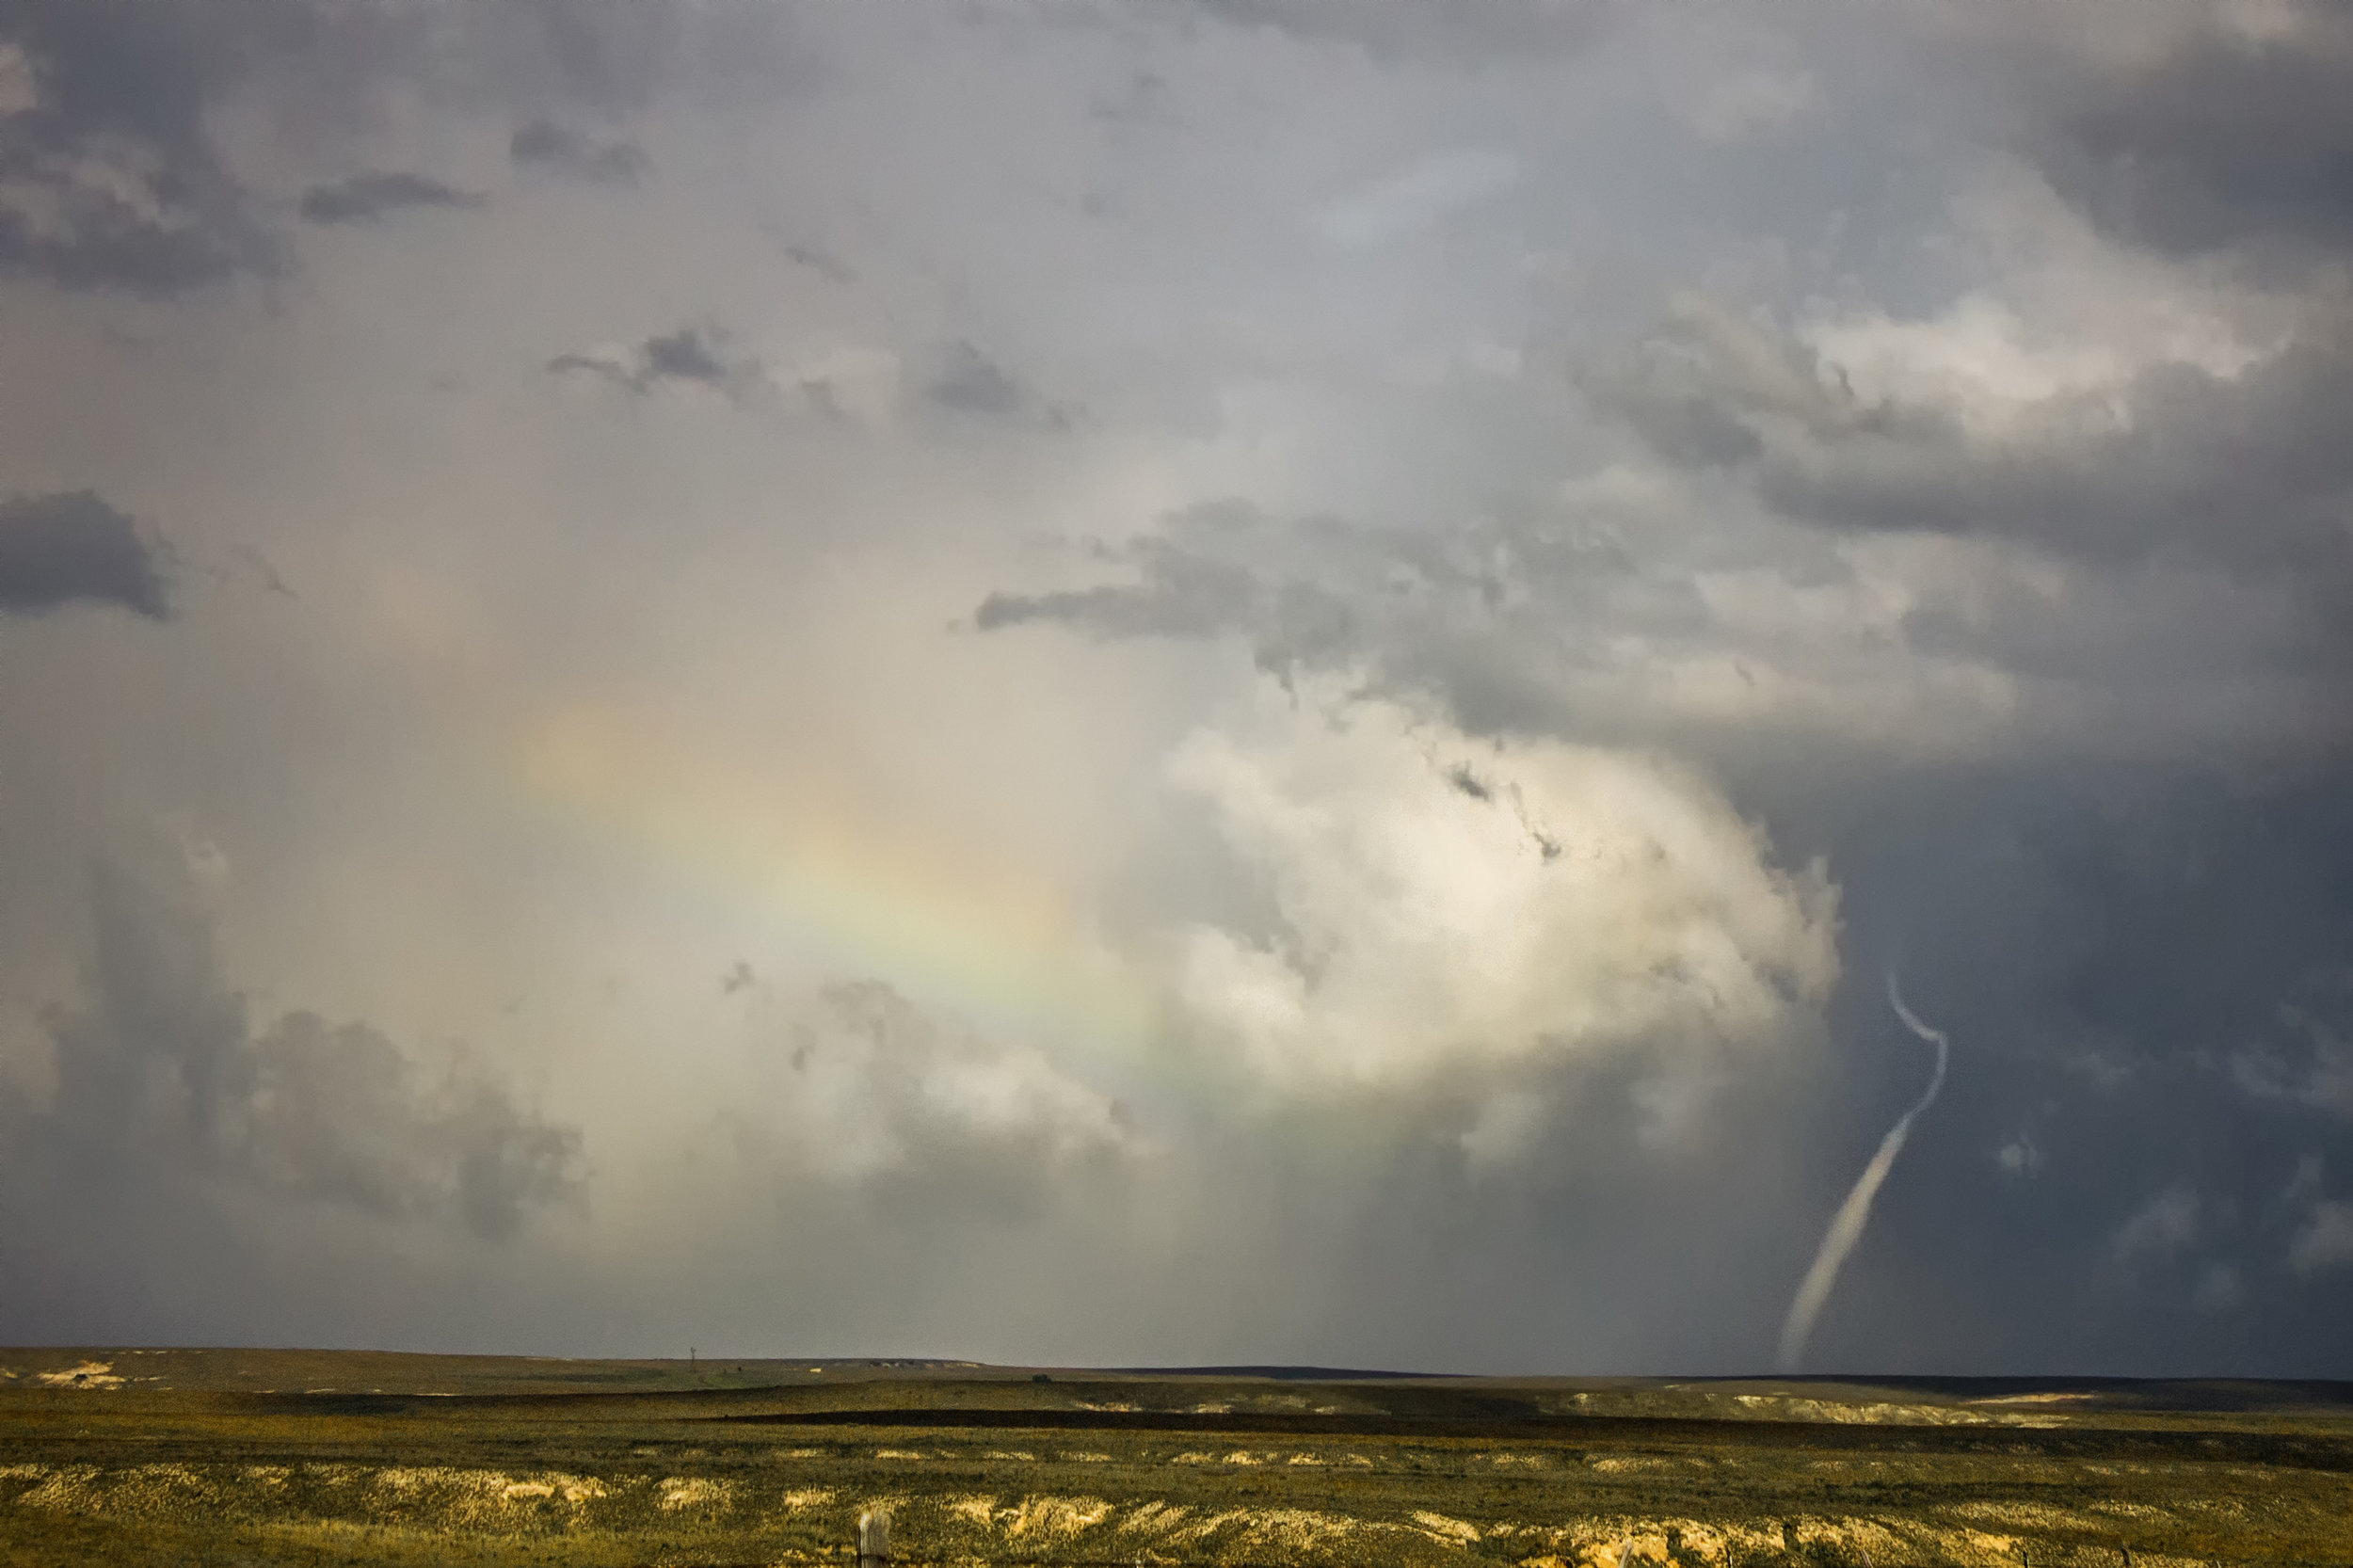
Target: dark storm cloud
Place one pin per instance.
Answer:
(162, 1081)
(2250, 471)
(2143, 980)
(2228, 143)
(108, 177)
(544, 144)
(73, 548)
(2135, 970)
(365, 196)
(2305, 1057)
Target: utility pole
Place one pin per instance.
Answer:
(873, 1539)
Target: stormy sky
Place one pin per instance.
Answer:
(1209, 681)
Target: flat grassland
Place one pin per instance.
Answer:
(220, 1457)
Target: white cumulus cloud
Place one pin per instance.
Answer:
(1445, 906)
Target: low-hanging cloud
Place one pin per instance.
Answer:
(2165, 1224)
(689, 357)
(2326, 1239)
(1507, 30)
(373, 194)
(161, 1081)
(2236, 138)
(560, 150)
(971, 384)
(72, 547)
(109, 177)
(1326, 595)
(859, 1084)
(2145, 465)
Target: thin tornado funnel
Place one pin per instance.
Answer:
(1846, 1227)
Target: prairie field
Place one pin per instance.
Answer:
(232, 1457)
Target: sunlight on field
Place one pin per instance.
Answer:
(482, 1464)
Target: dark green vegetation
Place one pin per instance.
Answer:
(314, 1457)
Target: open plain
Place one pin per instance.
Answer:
(122, 1456)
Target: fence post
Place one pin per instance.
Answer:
(873, 1539)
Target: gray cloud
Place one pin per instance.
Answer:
(1513, 29)
(161, 1082)
(691, 356)
(618, 56)
(2228, 142)
(365, 196)
(1180, 591)
(337, 1114)
(866, 1087)
(685, 354)
(2162, 1226)
(113, 176)
(108, 177)
(2326, 1241)
(972, 386)
(2306, 1058)
(545, 144)
(970, 382)
(1306, 594)
(2245, 468)
(71, 548)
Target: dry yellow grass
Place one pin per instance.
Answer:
(515, 1461)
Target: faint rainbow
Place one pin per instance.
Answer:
(804, 867)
